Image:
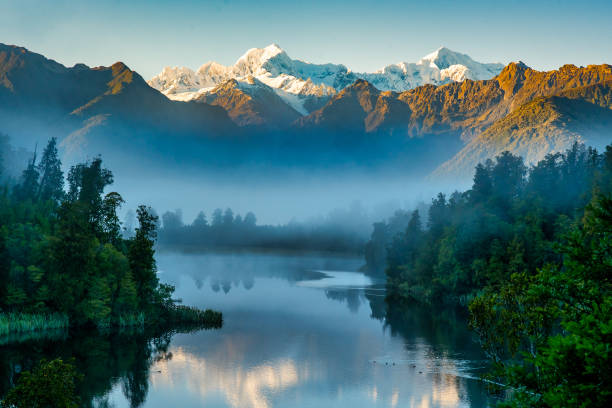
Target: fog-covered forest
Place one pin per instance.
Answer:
(528, 251)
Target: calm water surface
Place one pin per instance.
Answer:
(299, 331)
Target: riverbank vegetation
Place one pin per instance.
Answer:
(63, 260)
(529, 251)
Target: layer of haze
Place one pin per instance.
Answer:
(366, 35)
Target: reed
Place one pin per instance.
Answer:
(29, 322)
(129, 320)
(191, 315)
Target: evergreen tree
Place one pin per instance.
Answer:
(28, 187)
(142, 262)
(217, 217)
(228, 217)
(51, 185)
(483, 183)
(200, 221)
(172, 220)
(111, 226)
(250, 220)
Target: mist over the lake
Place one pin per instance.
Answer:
(347, 204)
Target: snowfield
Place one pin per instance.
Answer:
(298, 81)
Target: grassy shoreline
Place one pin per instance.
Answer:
(29, 322)
(178, 315)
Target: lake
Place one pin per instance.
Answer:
(299, 331)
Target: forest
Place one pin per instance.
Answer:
(228, 230)
(64, 261)
(528, 251)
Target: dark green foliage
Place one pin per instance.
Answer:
(51, 384)
(86, 184)
(63, 254)
(506, 224)
(530, 251)
(142, 262)
(179, 314)
(28, 187)
(51, 185)
(550, 334)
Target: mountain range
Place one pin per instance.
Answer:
(442, 114)
(306, 86)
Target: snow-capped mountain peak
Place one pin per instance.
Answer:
(299, 82)
(443, 58)
(261, 55)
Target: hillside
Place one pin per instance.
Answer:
(255, 112)
(251, 104)
(93, 109)
(537, 128)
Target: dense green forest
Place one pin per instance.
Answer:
(63, 260)
(229, 230)
(529, 251)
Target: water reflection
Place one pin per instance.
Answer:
(106, 360)
(299, 332)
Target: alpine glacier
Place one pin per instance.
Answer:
(298, 82)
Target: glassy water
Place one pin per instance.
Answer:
(299, 331)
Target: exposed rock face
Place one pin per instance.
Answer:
(39, 93)
(542, 126)
(528, 112)
(251, 105)
(305, 86)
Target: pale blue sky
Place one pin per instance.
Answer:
(362, 34)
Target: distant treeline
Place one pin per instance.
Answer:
(226, 230)
(63, 260)
(530, 251)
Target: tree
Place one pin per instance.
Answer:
(51, 185)
(375, 250)
(228, 217)
(87, 182)
(4, 149)
(217, 217)
(111, 226)
(249, 220)
(141, 258)
(28, 187)
(200, 221)
(438, 215)
(402, 253)
(70, 261)
(50, 384)
(483, 183)
(558, 321)
(172, 220)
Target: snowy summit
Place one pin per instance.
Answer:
(296, 81)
